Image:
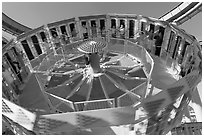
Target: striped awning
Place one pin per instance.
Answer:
(92, 46)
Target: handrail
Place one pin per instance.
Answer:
(171, 10)
(93, 101)
(13, 27)
(178, 11)
(5, 39)
(188, 15)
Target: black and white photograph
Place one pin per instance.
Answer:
(101, 68)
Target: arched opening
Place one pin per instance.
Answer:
(27, 49)
(93, 28)
(36, 44)
(102, 28)
(73, 30)
(131, 28)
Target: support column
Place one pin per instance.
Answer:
(50, 39)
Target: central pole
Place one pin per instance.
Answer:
(95, 62)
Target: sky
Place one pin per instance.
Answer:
(35, 14)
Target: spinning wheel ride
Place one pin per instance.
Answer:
(86, 86)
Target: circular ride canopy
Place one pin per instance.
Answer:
(122, 80)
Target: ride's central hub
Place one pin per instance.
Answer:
(94, 75)
(92, 48)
